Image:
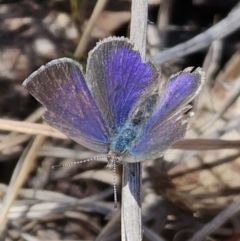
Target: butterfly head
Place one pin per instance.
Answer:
(114, 160)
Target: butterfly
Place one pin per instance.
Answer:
(120, 106)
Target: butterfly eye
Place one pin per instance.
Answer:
(119, 160)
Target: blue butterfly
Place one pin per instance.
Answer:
(120, 107)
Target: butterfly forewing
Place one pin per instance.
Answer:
(74, 133)
(118, 78)
(61, 88)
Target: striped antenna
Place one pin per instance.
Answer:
(114, 185)
(78, 162)
(113, 167)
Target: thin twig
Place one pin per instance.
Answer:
(163, 20)
(210, 67)
(19, 177)
(220, 30)
(205, 166)
(152, 235)
(206, 144)
(230, 100)
(109, 226)
(30, 128)
(219, 220)
(85, 37)
(46, 130)
(132, 173)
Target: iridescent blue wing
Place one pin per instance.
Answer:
(117, 78)
(180, 89)
(168, 122)
(155, 143)
(61, 88)
(74, 133)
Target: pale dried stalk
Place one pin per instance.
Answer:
(132, 173)
(30, 128)
(48, 131)
(81, 48)
(19, 177)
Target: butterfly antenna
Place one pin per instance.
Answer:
(114, 185)
(78, 162)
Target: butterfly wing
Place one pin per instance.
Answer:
(117, 77)
(61, 88)
(180, 89)
(74, 133)
(156, 142)
(168, 122)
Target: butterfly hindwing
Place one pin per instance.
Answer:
(156, 142)
(180, 89)
(168, 123)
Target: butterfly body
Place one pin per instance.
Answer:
(128, 134)
(118, 107)
(123, 140)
